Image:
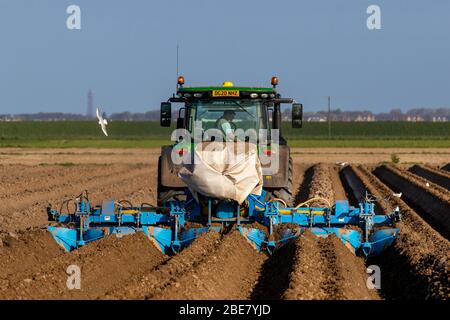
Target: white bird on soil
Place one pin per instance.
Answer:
(398, 195)
(102, 122)
(427, 184)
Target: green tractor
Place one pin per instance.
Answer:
(227, 109)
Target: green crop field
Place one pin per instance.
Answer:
(150, 134)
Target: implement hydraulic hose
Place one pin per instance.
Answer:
(313, 199)
(289, 211)
(280, 200)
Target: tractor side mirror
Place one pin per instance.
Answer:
(297, 115)
(166, 114)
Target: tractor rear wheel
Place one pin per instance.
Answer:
(285, 193)
(167, 193)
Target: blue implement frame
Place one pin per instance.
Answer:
(360, 229)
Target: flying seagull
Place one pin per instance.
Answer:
(102, 122)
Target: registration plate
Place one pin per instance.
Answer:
(225, 93)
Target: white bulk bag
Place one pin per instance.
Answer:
(224, 171)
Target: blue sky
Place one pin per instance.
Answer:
(126, 52)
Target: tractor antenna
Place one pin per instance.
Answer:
(178, 65)
(177, 60)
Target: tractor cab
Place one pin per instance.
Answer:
(225, 109)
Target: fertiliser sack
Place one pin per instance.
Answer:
(224, 171)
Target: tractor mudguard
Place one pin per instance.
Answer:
(168, 171)
(280, 179)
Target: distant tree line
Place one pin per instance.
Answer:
(416, 114)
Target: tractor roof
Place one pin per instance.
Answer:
(227, 90)
(212, 88)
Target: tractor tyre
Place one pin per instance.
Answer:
(285, 193)
(167, 193)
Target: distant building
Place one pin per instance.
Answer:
(414, 119)
(316, 119)
(439, 119)
(365, 118)
(6, 117)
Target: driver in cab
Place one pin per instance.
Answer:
(226, 126)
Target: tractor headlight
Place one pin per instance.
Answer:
(197, 95)
(187, 95)
(264, 95)
(253, 95)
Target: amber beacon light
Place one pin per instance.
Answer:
(274, 81)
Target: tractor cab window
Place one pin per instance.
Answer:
(229, 114)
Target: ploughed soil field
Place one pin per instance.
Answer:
(221, 266)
